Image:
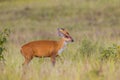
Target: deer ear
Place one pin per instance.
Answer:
(59, 32)
(60, 29)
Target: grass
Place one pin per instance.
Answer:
(94, 24)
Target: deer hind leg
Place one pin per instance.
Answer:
(27, 60)
(28, 55)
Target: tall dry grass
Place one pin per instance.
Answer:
(93, 24)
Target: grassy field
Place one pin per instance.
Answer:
(94, 25)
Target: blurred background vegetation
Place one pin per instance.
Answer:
(94, 24)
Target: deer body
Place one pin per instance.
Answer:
(43, 48)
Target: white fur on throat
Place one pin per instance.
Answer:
(61, 49)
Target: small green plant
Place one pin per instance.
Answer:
(110, 52)
(3, 39)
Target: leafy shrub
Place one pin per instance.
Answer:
(3, 39)
(111, 52)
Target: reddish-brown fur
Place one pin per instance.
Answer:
(45, 48)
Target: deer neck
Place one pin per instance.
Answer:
(61, 45)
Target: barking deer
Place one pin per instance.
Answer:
(46, 48)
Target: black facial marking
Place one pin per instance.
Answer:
(63, 29)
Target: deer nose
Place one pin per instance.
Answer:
(72, 40)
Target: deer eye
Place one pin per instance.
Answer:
(67, 36)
